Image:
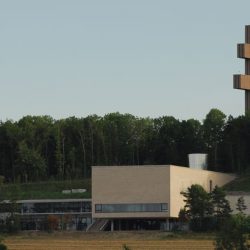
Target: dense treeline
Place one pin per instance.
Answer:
(39, 147)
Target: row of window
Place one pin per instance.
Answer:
(127, 208)
(56, 207)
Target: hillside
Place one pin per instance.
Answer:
(240, 184)
(53, 189)
(45, 190)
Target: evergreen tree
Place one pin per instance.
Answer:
(221, 206)
(198, 202)
(240, 205)
(198, 207)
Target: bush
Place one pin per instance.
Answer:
(125, 247)
(233, 234)
(53, 223)
(13, 224)
(1, 182)
(246, 224)
(203, 225)
(3, 247)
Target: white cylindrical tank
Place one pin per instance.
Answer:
(197, 161)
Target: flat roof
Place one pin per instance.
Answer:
(136, 166)
(164, 166)
(47, 200)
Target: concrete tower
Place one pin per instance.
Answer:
(243, 81)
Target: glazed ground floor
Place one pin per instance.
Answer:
(84, 222)
(127, 224)
(44, 222)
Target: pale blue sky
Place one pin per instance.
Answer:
(148, 58)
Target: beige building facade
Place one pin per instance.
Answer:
(152, 191)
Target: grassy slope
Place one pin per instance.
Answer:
(240, 184)
(45, 190)
(53, 189)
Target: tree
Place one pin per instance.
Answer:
(30, 165)
(9, 138)
(232, 235)
(198, 206)
(213, 126)
(240, 205)
(59, 152)
(167, 131)
(13, 224)
(198, 202)
(206, 211)
(66, 148)
(190, 139)
(182, 216)
(235, 144)
(221, 206)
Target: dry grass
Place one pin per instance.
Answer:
(108, 241)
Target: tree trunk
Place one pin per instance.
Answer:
(84, 155)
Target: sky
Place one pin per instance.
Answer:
(149, 58)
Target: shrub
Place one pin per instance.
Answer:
(53, 222)
(125, 247)
(233, 234)
(3, 247)
(203, 225)
(13, 224)
(1, 180)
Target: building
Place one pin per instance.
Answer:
(243, 81)
(145, 197)
(233, 197)
(123, 198)
(71, 214)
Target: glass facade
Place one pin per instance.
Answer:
(64, 222)
(129, 208)
(69, 215)
(56, 207)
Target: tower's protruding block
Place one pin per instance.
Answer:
(243, 81)
(243, 50)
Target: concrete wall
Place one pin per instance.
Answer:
(148, 184)
(181, 178)
(232, 198)
(130, 184)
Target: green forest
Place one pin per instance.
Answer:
(38, 148)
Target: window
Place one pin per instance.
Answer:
(164, 207)
(128, 208)
(98, 207)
